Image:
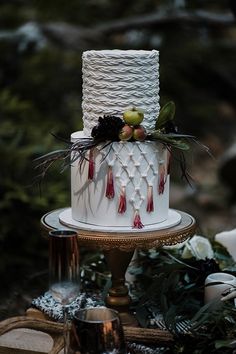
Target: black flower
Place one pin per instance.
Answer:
(207, 266)
(108, 128)
(203, 268)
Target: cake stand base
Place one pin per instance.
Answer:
(118, 295)
(118, 249)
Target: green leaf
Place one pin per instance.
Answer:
(177, 135)
(166, 114)
(164, 138)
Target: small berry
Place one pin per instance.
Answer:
(139, 133)
(126, 133)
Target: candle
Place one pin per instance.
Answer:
(214, 291)
(228, 240)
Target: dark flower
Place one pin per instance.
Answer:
(108, 128)
(207, 266)
(204, 267)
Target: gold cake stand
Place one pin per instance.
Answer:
(118, 249)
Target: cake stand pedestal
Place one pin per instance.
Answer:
(119, 248)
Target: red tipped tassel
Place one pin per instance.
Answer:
(91, 165)
(150, 206)
(122, 202)
(137, 221)
(162, 179)
(168, 161)
(110, 192)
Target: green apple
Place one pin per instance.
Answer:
(133, 116)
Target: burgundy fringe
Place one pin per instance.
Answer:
(162, 179)
(91, 164)
(122, 202)
(150, 206)
(137, 221)
(110, 192)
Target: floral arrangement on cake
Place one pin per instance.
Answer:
(113, 128)
(129, 128)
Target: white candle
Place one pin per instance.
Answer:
(214, 291)
(228, 240)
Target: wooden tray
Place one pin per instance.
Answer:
(34, 334)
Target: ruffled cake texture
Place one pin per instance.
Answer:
(116, 79)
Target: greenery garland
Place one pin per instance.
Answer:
(167, 284)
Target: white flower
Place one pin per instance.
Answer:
(228, 240)
(198, 247)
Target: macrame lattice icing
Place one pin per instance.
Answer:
(113, 80)
(131, 168)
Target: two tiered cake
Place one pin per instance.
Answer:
(121, 184)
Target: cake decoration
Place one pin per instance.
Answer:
(107, 128)
(122, 201)
(110, 192)
(111, 129)
(150, 205)
(162, 177)
(137, 221)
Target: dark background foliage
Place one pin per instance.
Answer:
(41, 43)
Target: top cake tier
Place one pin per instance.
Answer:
(116, 79)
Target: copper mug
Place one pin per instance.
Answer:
(97, 330)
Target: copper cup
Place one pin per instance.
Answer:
(97, 330)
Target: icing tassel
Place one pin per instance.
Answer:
(122, 202)
(137, 221)
(110, 184)
(162, 179)
(150, 206)
(91, 165)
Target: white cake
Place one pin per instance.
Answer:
(129, 186)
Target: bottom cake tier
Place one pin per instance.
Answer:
(121, 184)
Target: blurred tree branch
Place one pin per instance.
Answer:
(74, 36)
(170, 18)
